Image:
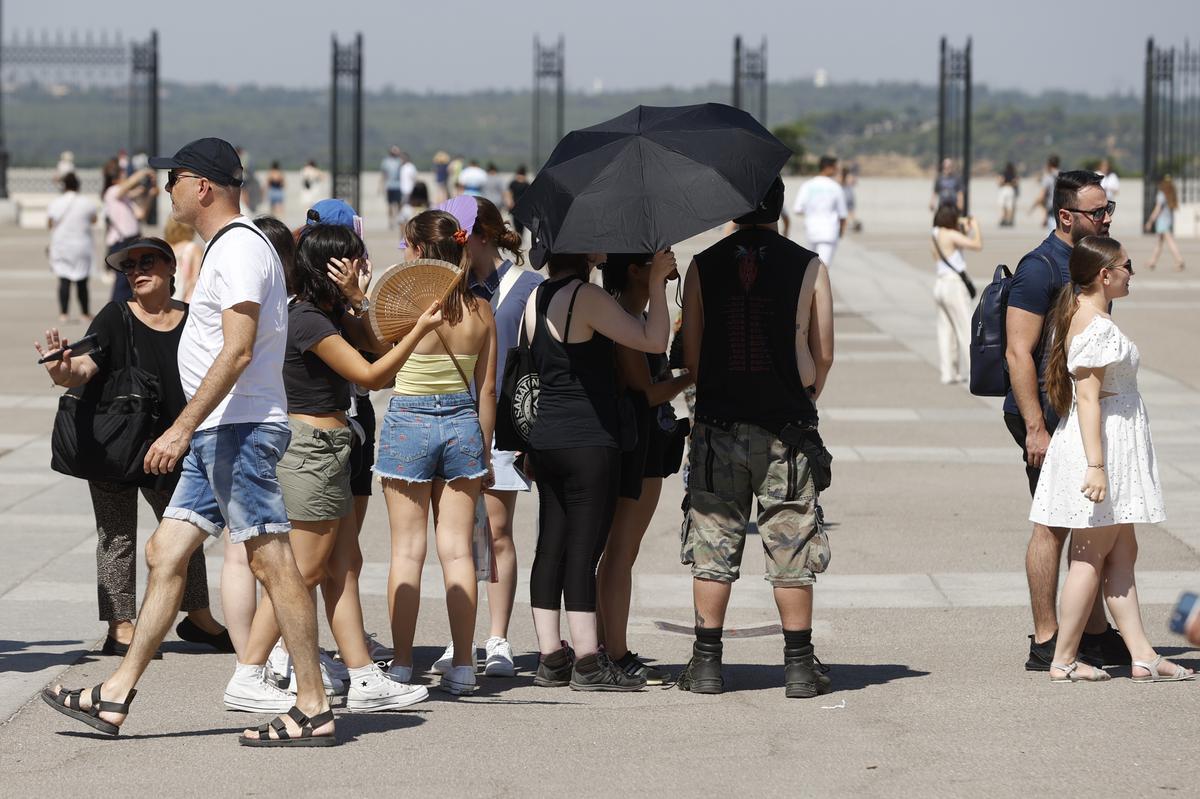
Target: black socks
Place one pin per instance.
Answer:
(794, 639)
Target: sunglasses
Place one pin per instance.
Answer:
(1127, 266)
(143, 264)
(1097, 214)
(174, 177)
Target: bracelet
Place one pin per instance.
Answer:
(1099, 466)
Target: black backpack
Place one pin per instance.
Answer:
(989, 367)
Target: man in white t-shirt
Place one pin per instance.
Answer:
(1109, 180)
(408, 181)
(822, 203)
(472, 179)
(228, 438)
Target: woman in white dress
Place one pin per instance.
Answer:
(1099, 477)
(70, 218)
(950, 240)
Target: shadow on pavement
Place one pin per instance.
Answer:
(845, 676)
(13, 658)
(352, 726)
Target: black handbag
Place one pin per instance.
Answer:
(103, 432)
(517, 406)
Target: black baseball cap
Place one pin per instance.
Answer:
(212, 158)
(768, 209)
(147, 243)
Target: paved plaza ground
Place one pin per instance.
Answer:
(922, 615)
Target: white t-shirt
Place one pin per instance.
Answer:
(240, 267)
(823, 203)
(472, 179)
(71, 237)
(1111, 185)
(408, 178)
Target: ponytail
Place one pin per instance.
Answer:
(1058, 379)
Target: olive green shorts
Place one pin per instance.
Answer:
(315, 473)
(728, 471)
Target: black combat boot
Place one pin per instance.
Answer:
(703, 672)
(802, 675)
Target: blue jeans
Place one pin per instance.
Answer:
(430, 437)
(228, 479)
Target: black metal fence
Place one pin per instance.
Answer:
(346, 115)
(750, 79)
(954, 113)
(100, 84)
(549, 67)
(1171, 135)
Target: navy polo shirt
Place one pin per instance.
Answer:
(1034, 288)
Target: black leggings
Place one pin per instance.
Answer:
(64, 295)
(577, 494)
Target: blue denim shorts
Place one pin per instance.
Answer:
(433, 437)
(228, 479)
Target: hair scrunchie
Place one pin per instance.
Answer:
(460, 236)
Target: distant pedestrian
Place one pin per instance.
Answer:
(1109, 180)
(1162, 222)
(311, 178)
(1081, 210)
(758, 337)
(1044, 202)
(516, 189)
(126, 203)
(573, 328)
(390, 184)
(822, 203)
(70, 217)
(188, 255)
(950, 292)
(1099, 477)
(453, 169)
(276, 189)
(65, 166)
(493, 187)
(441, 175)
(947, 187)
(1006, 197)
(472, 179)
(849, 181)
(251, 188)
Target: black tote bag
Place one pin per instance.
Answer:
(519, 389)
(103, 433)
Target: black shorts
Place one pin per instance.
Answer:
(362, 455)
(395, 197)
(658, 453)
(1016, 425)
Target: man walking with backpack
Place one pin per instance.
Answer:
(1080, 209)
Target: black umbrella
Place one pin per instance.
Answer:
(650, 178)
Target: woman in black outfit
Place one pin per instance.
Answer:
(572, 325)
(157, 322)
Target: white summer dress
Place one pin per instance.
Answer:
(1134, 494)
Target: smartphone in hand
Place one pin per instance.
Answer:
(84, 346)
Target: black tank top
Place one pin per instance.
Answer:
(577, 405)
(750, 283)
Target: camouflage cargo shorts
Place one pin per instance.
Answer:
(728, 470)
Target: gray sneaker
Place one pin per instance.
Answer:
(598, 673)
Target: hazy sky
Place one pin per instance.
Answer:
(422, 45)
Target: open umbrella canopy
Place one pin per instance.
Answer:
(650, 178)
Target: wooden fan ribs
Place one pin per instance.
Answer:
(405, 291)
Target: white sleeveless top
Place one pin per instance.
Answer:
(956, 259)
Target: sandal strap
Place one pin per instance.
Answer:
(70, 699)
(1067, 669)
(280, 727)
(100, 705)
(297, 715)
(321, 719)
(1150, 666)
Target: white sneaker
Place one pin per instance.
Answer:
(249, 691)
(399, 673)
(499, 658)
(279, 663)
(446, 661)
(377, 650)
(333, 686)
(370, 689)
(459, 680)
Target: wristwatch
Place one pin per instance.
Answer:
(364, 306)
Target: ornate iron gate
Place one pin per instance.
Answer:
(549, 66)
(1171, 135)
(750, 79)
(87, 79)
(346, 113)
(954, 113)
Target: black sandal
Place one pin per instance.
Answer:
(284, 738)
(67, 703)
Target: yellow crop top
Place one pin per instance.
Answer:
(423, 375)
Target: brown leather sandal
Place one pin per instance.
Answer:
(67, 703)
(284, 738)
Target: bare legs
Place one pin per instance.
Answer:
(1041, 569)
(1111, 552)
(408, 513)
(1169, 240)
(711, 598)
(502, 593)
(343, 606)
(614, 578)
(239, 594)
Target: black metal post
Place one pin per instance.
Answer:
(333, 120)
(737, 71)
(966, 124)
(537, 105)
(152, 134)
(941, 146)
(763, 85)
(561, 66)
(3, 148)
(358, 120)
(549, 63)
